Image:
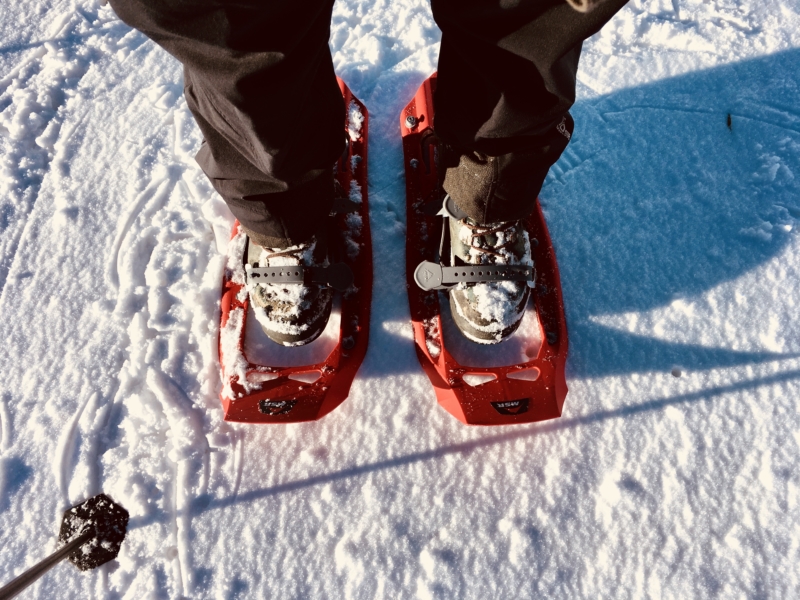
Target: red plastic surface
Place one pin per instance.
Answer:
(284, 400)
(502, 401)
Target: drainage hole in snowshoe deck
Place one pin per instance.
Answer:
(256, 377)
(475, 379)
(307, 377)
(525, 374)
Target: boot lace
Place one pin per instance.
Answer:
(295, 252)
(509, 230)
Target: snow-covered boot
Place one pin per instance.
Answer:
(291, 314)
(488, 313)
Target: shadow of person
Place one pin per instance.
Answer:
(667, 191)
(207, 502)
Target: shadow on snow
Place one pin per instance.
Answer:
(206, 503)
(658, 197)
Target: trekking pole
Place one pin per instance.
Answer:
(93, 531)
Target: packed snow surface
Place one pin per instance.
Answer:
(674, 212)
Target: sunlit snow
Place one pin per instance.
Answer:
(674, 212)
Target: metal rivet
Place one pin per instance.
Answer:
(411, 121)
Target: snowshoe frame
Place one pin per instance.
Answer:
(268, 394)
(504, 400)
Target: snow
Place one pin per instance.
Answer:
(677, 239)
(354, 121)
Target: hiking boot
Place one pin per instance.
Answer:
(488, 313)
(291, 314)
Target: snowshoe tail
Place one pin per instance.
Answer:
(521, 393)
(267, 394)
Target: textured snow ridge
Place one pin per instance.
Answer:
(674, 213)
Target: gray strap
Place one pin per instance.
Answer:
(433, 276)
(338, 275)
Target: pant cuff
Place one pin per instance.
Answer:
(494, 189)
(282, 219)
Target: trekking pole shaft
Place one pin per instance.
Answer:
(28, 577)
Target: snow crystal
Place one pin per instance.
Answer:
(234, 263)
(355, 160)
(433, 341)
(353, 224)
(356, 194)
(354, 121)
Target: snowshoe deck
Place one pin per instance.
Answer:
(521, 393)
(267, 394)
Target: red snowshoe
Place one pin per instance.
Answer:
(532, 390)
(262, 393)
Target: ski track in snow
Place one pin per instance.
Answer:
(65, 449)
(674, 212)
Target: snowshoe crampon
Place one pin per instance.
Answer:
(270, 394)
(522, 393)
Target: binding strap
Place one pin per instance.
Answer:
(337, 276)
(433, 276)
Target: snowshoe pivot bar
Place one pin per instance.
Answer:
(337, 276)
(433, 276)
